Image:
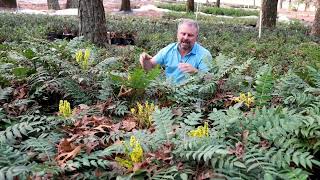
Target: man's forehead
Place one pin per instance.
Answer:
(186, 26)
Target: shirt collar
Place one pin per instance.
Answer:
(193, 50)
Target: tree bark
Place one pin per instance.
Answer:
(316, 23)
(8, 3)
(53, 4)
(93, 21)
(72, 4)
(125, 5)
(190, 6)
(269, 13)
(218, 3)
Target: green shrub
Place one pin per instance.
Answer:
(211, 10)
(173, 7)
(229, 11)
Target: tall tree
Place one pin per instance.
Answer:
(92, 21)
(125, 5)
(53, 4)
(72, 4)
(190, 6)
(269, 13)
(218, 3)
(316, 23)
(8, 3)
(280, 4)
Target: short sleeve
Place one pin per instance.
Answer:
(160, 56)
(205, 61)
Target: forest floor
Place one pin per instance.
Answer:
(144, 8)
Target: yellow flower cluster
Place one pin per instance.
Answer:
(134, 153)
(144, 113)
(201, 131)
(83, 59)
(247, 100)
(64, 108)
(137, 151)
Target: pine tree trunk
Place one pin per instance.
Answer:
(53, 4)
(280, 4)
(306, 4)
(93, 21)
(269, 13)
(72, 4)
(218, 3)
(8, 3)
(316, 23)
(125, 5)
(190, 6)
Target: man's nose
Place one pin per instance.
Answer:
(185, 36)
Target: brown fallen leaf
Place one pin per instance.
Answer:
(129, 124)
(65, 146)
(64, 157)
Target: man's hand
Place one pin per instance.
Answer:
(146, 61)
(187, 68)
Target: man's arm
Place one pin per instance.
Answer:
(147, 62)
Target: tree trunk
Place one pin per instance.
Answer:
(92, 21)
(269, 13)
(190, 6)
(8, 3)
(306, 4)
(125, 5)
(316, 23)
(218, 3)
(72, 4)
(53, 4)
(280, 4)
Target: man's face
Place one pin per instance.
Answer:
(187, 36)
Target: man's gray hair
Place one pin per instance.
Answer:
(189, 22)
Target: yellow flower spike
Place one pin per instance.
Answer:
(83, 58)
(247, 99)
(201, 131)
(64, 108)
(79, 56)
(132, 141)
(87, 54)
(124, 162)
(143, 113)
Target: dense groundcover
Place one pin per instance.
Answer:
(71, 110)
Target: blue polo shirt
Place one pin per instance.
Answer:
(169, 57)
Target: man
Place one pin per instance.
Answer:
(182, 57)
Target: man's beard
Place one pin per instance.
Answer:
(185, 46)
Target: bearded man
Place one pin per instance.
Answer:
(182, 57)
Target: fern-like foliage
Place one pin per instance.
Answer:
(224, 65)
(73, 91)
(5, 93)
(264, 85)
(87, 161)
(163, 125)
(13, 172)
(28, 126)
(12, 162)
